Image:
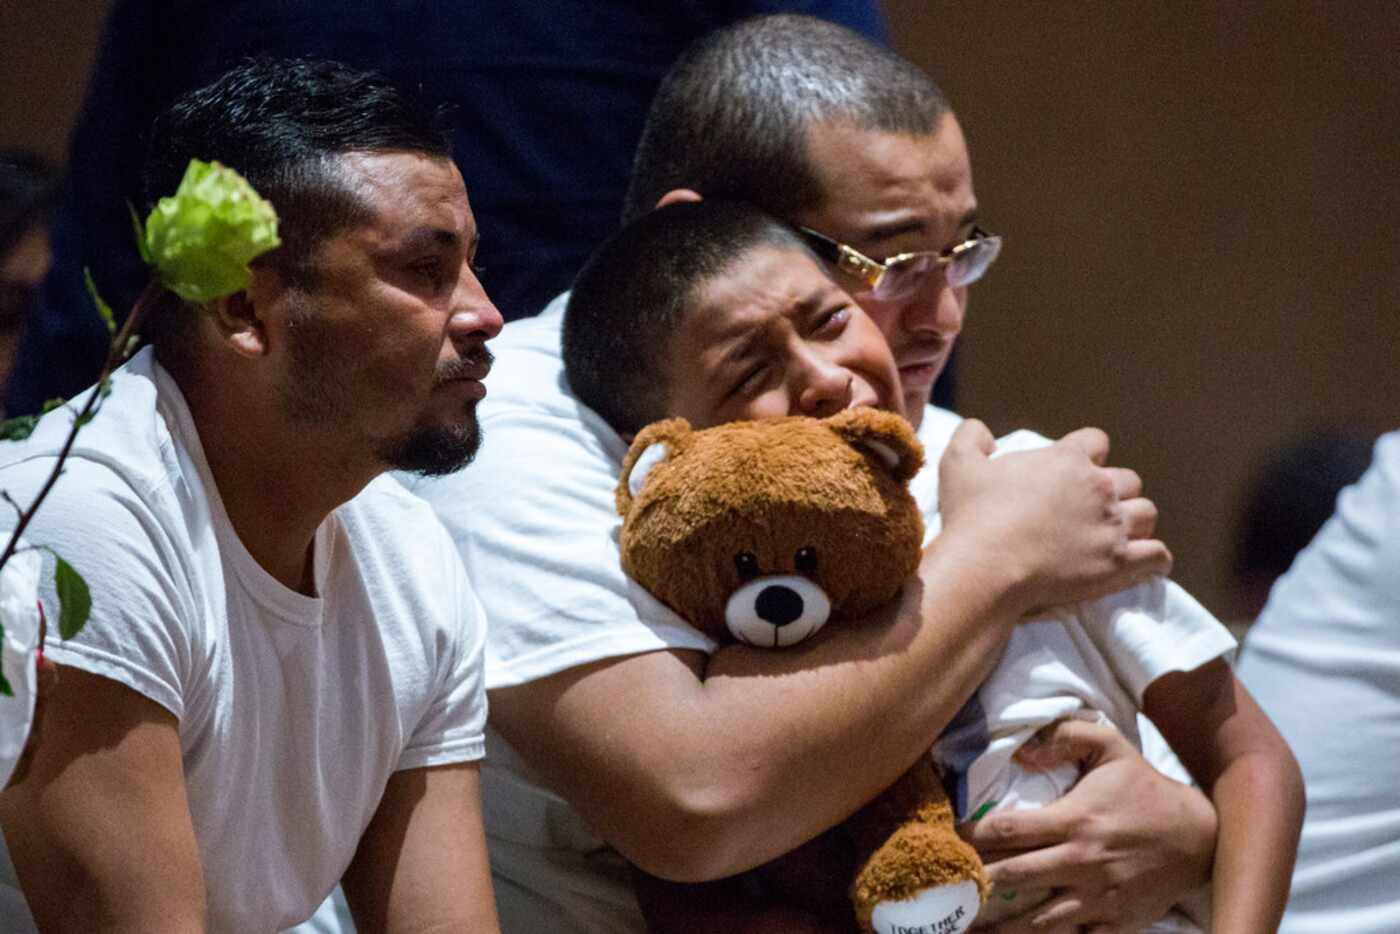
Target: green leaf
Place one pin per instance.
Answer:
(51, 404)
(18, 428)
(5, 688)
(140, 229)
(202, 238)
(74, 598)
(103, 309)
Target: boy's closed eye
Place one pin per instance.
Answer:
(830, 322)
(753, 375)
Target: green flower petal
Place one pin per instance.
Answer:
(202, 238)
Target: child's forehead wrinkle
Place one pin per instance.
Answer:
(738, 334)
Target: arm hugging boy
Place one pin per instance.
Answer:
(713, 312)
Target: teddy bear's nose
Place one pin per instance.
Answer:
(777, 610)
(778, 605)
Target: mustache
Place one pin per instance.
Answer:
(467, 366)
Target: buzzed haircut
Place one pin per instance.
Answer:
(731, 117)
(282, 124)
(637, 288)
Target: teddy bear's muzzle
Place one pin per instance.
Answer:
(776, 611)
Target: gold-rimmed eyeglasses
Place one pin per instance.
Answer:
(903, 274)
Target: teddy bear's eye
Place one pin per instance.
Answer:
(746, 564)
(806, 560)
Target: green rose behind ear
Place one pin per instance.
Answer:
(201, 239)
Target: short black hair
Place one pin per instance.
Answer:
(731, 117)
(635, 290)
(282, 124)
(28, 189)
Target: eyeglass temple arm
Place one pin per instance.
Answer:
(849, 261)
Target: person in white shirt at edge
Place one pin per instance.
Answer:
(281, 683)
(714, 312)
(613, 728)
(1324, 660)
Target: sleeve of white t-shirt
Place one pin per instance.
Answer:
(535, 522)
(1151, 629)
(143, 627)
(453, 727)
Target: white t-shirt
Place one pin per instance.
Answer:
(1323, 660)
(293, 711)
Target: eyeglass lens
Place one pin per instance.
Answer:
(964, 268)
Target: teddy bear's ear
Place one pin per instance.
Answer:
(653, 444)
(886, 435)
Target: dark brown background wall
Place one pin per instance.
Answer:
(1199, 203)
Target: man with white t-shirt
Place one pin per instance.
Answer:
(280, 685)
(1324, 660)
(727, 315)
(613, 729)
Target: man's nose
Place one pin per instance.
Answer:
(475, 317)
(825, 388)
(936, 309)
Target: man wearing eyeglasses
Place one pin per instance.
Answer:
(907, 199)
(617, 728)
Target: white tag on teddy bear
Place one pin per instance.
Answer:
(947, 909)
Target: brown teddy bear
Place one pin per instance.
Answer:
(764, 531)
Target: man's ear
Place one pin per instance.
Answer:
(239, 325)
(242, 319)
(677, 195)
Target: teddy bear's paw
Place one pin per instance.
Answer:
(943, 909)
(923, 879)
